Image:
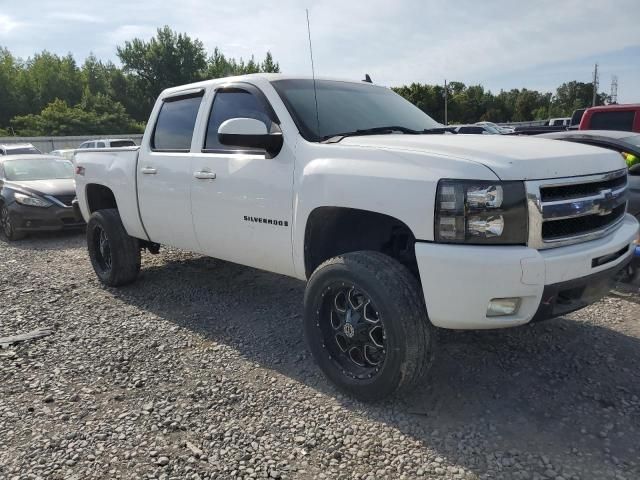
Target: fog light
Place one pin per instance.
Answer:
(499, 307)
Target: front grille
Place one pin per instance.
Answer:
(573, 210)
(65, 199)
(580, 225)
(565, 192)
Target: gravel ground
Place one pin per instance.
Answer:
(199, 370)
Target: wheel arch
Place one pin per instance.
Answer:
(331, 231)
(99, 197)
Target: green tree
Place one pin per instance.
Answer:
(268, 65)
(95, 115)
(47, 77)
(572, 95)
(218, 65)
(167, 60)
(9, 95)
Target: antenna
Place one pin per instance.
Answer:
(614, 90)
(313, 74)
(596, 84)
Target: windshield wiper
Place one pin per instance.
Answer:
(335, 138)
(438, 130)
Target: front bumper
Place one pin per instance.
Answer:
(459, 281)
(36, 219)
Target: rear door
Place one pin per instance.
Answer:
(244, 214)
(164, 173)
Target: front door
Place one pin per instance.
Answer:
(165, 174)
(242, 198)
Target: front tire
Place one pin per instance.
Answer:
(6, 225)
(366, 325)
(115, 256)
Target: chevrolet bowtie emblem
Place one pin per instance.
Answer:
(607, 204)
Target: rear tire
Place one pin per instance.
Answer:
(115, 256)
(366, 325)
(6, 225)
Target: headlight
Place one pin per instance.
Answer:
(31, 201)
(479, 211)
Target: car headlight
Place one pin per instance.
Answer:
(481, 212)
(31, 200)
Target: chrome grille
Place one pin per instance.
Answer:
(577, 209)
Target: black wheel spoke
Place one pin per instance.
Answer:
(353, 331)
(103, 249)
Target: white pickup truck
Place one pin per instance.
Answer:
(395, 226)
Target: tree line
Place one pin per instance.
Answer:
(48, 94)
(472, 103)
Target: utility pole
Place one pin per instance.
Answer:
(446, 99)
(595, 86)
(614, 90)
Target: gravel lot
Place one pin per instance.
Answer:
(199, 370)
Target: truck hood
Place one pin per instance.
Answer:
(62, 186)
(509, 157)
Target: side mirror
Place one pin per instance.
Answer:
(250, 133)
(635, 170)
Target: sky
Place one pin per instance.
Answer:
(499, 44)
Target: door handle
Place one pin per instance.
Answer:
(148, 170)
(205, 175)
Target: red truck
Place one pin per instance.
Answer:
(612, 117)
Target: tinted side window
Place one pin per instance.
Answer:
(612, 121)
(123, 143)
(233, 103)
(474, 130)
(100, 145)
(174, 127)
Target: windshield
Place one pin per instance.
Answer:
(633, 140)
(491, 128)
(22, 151)
(38, 169)
(347, 107)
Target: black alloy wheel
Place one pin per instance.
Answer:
(102, 248)
(352, 331)
(366, 325)
(114, 254)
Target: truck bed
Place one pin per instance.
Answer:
(116, 169)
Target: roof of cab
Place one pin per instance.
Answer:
(252, 77)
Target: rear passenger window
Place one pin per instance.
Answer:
(234, 103)
(174, 127)
(123, 143)
(612, 121)
(100, 144)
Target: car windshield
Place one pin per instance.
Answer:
(38, 169)
(345, 107)
(633, 140)
(491, 128)
(22, 151)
